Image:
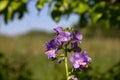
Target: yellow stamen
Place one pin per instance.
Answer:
(80, 61)
(86, 66)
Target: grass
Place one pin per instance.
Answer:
(105, 52)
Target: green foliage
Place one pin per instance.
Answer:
(3, 5)
(11, 7)
(107, 12)
(96, 11)
(66, 7)
(40, 4)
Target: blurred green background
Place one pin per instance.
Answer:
(29, 50)
(22, 57)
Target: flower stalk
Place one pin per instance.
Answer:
(66, 66)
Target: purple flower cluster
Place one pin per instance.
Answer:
(53, 45)
(69, 41)
(74, 38)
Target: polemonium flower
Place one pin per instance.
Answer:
(51, 53)
(77, 36)
(52, 47)
(53, 44)
(80, 61)
(63, 36)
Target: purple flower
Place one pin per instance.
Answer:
(53, 44)
(52, 47)
(63, 37)
(51, 53)
(77, 36)
(80, 61)
(75, 47)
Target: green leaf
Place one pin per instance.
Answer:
(81, 8)
(65, 4)
(15, 5)
(23, 1)
(96, 12)
(40, 4)
(9, 14)
(95, 17)
(3, 4)
(56, 15)
(98, 7)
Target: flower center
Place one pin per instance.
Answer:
(79, 61)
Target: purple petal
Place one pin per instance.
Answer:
(51, 56)
(84, 53)
(74, 78)
(50, 44)
(77, 55)
(51, 53)
(67, 33)
(63, 37)
(76, 65)
(72, 59)
(53, 44)
(58, 30)
(86, 57)
(77, 36)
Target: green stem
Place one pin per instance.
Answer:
(66, 66)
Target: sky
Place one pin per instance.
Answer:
(34, 20)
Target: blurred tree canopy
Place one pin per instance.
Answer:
(91, 11)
